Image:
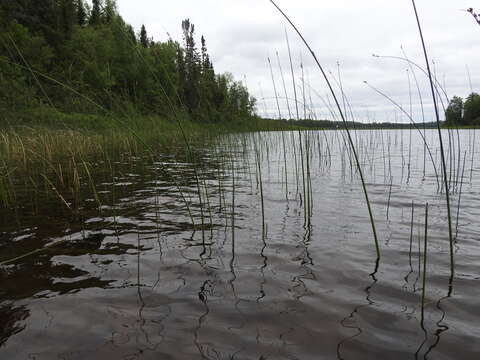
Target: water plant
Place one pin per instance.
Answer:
(440, 138)
(344, 120)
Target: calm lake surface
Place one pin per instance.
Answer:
(137, 280)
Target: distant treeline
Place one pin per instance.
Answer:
(328, 124)
(460, 113)
(80, 58)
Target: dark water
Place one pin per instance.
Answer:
(138, 280)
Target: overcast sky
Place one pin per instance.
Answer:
(242, 34)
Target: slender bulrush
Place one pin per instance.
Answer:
(284, 86)
(412, 123)
(352, 145)
(389, 195)
(460, 196)
(442, 152)
(293, 75)
(424, 279)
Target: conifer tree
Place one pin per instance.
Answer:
(143, 37)
(205, 59)
(81, 13)
(95, 15)
(192, 66)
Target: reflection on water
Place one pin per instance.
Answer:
(12, 321)
(228, 261)
(349, 321)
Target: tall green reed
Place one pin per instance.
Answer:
(440, 138)
(350, 139)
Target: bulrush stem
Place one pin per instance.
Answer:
(424, 260)
(352, 145)
(442, 153)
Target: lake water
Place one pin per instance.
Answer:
(294, 279)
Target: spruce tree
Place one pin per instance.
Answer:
(81, 13)
(95, 15)
(204, 54)
(192, 66)
(143, 37)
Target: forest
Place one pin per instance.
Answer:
(66, 56)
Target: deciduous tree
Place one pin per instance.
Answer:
(454, 112)
(471, 115)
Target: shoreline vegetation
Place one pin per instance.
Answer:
(77, 82)
(79, 88)
(70, 68)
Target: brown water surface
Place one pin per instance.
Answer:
(138, 280)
